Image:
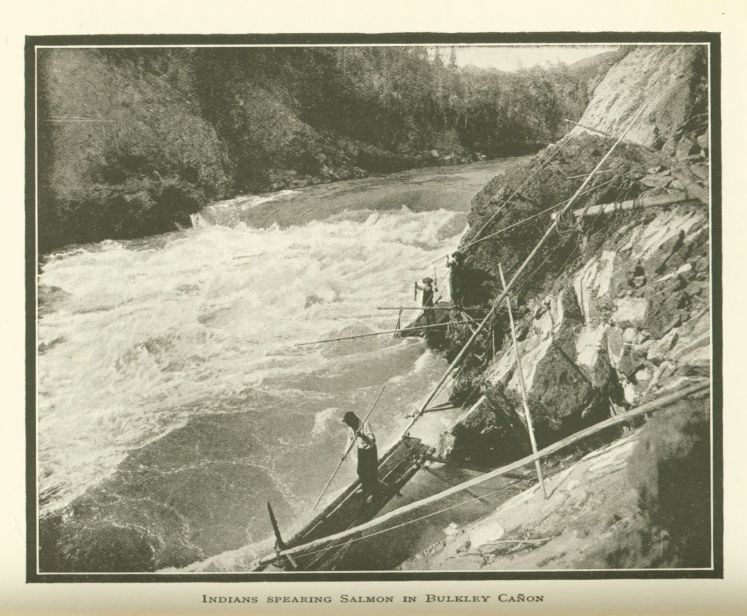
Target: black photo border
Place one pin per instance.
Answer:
(713, 39)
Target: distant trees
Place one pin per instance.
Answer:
(397, 97)
(215, 122)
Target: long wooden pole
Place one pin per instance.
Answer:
(350, 447)
(389, 331)
(590, 129)
(522, 383)
(632, 204)
(518, 273)
(445, 308)
(533, 216)
(279, 543)
(654, 405)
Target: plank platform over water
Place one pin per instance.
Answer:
(348, 509)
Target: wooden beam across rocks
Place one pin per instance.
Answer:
(679, 198)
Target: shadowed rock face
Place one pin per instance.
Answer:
(612, 331)
(134, 141)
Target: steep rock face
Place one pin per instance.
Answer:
(630, 319)
(122, 151)
(669, 81)
(616, 304)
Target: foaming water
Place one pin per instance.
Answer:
(171, 395)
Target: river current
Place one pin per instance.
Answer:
(172, 399)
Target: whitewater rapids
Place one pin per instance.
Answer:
(171, 398)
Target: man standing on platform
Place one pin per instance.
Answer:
(456, 276)
(427, 302)
(368, 459)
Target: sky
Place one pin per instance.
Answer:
(511, 58)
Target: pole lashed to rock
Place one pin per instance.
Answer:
(520, 371)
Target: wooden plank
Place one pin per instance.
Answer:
(345, 505)
(397, 467)
(632, 204)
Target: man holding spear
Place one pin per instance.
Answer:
(368, 459)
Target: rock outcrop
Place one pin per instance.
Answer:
(617, 308)
(630, 320)
(668, 81)
(634, 503)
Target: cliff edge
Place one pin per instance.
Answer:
(614, 311)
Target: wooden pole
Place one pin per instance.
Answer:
(492, 334)
(533, 216)
(452, 484)
(350, 447)
(590, 129)
(631, 204)
(279, 543)
(527, 415)
(445, 308)
(389, 331)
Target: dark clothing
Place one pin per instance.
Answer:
(368, 458)
(428, 315)
(368, 470)
(427, 297)
(456, 275)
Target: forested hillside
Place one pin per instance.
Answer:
(131, 141)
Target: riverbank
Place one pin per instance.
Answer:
(134, 141)
(613, 312)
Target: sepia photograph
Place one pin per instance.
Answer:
(347, 307)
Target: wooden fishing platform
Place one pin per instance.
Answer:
(396, 468)
(440, 315)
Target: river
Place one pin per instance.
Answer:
(172, 403)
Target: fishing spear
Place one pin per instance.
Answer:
(350, 447)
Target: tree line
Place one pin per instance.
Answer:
(166, 130)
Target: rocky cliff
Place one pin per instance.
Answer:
(668, 81)
(132, 141)
(615, 309)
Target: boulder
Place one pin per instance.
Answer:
(558, 395)
(663, 312)
(685, 148)
(656, 181)
(490, 433)
(696, 287)
(701, 170)
(630, 311)
(660, 349)
(592, 355)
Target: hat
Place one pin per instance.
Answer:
(427, 279)
(349, 418)
(457, 254)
